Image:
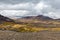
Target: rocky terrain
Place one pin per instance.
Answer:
(43, 35)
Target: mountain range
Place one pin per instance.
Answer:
(39, 17)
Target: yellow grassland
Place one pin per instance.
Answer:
(25, 27)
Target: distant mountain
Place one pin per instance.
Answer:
(39, 17)
(5, 19)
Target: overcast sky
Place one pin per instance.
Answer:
(49, 8)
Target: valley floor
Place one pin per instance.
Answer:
(42, 35)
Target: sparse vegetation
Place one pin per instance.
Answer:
(26, 27)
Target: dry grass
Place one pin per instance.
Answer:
(25, 28)
(29, 27)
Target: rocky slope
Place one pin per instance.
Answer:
(43, 35)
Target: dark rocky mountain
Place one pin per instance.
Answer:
(5, 19)
(43, 17)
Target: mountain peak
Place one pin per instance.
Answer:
(43, 17)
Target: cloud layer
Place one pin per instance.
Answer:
(49, 8)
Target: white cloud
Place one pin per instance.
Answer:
(40, 6)
(16, 6)
(14, 12)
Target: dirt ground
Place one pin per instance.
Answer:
(42, 35)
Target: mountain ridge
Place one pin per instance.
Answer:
(39, 17)
(5, 19)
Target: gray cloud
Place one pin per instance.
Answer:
(54, 3)
(18, 1)
(21, 6)
(49, 8)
